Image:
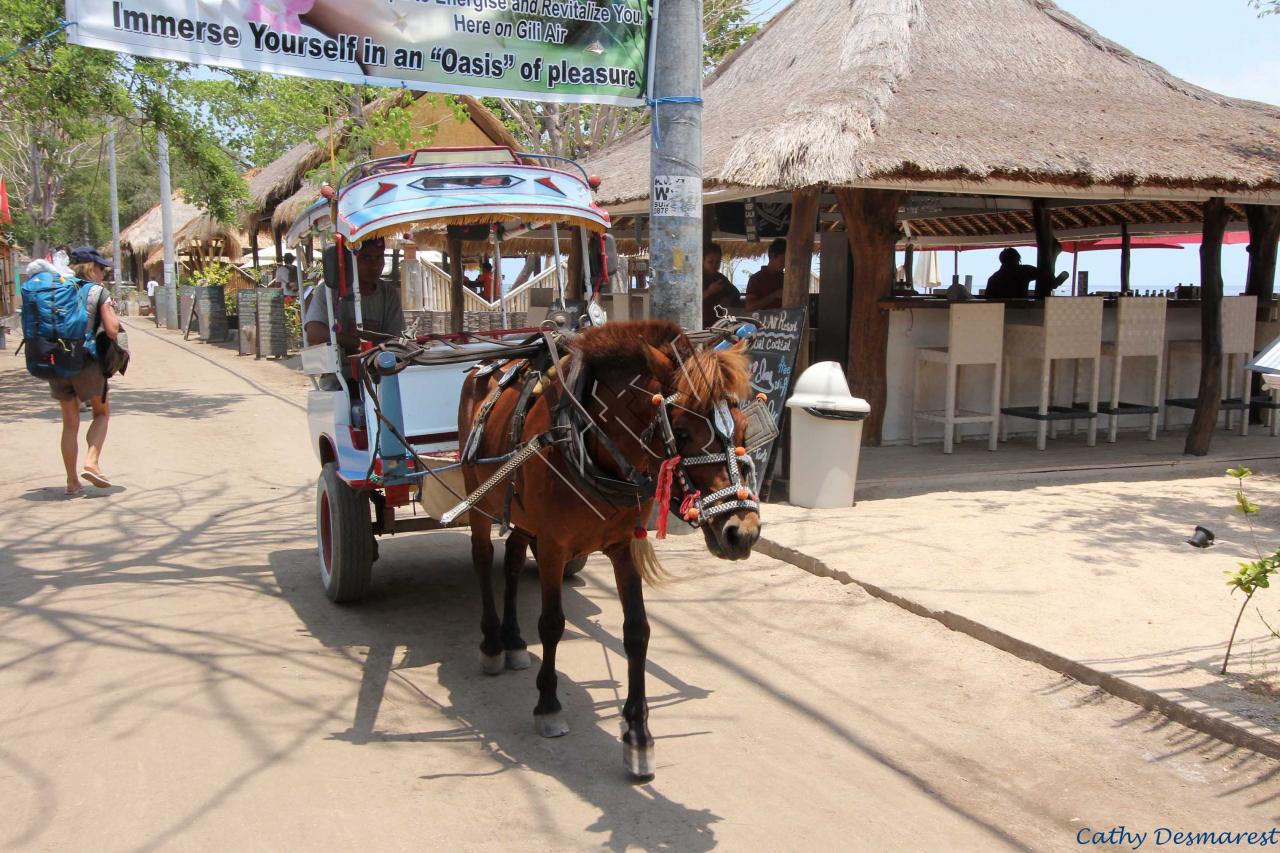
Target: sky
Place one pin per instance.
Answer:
(1220, 44)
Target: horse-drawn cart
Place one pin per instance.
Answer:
(383, 420)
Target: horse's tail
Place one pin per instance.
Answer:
(646, 560)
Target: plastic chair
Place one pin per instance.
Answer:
(1140, 327)
(1072, 329)
(975, 337)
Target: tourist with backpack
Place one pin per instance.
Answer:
(63, 313)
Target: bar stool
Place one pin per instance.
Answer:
(1072, 329)
(1265, 332)
(1139, 333)
(975, 337)
(1239, 314)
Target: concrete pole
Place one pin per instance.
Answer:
(166, 210)
(675, 165)
(115, 208)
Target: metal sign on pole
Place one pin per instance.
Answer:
(675, 165)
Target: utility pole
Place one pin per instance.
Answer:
(675, 165)
(166, 225)
(115, 208)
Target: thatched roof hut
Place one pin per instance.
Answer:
(145, 233)
(950, 94)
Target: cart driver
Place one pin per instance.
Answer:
(379, 304)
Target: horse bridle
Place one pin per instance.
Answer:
(696, 508)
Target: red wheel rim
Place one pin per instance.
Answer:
(326, 534)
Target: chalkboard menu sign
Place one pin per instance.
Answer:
(773, 359)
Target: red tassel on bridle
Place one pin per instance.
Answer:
(662, 493)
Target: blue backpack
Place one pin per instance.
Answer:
(55, 323)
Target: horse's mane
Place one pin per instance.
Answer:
(701, 377)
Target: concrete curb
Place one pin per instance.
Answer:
(1208, 721)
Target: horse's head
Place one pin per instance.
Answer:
(678, 406)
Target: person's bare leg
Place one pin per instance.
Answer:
(97, 435)
(70, 438)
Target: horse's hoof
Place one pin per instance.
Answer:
(639, 761)
(551, 725)
(493, 664)
(517, 658)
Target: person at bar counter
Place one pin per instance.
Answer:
(717, 290)
(379, 303)
(764, 289)
(1013, 278)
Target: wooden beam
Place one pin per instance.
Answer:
(800, 236)
(455, 284)
(1264, 234)
(1045, 254)
(871, 218)
(253, 243)
(1126, 251)
(1209, 399)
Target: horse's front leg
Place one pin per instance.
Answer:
(637, 743)
(548, 716)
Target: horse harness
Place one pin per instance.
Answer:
(571, 423)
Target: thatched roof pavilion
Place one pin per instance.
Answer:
(194, 233)
(897, 121)
(1008, 96)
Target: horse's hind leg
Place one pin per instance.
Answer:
(547, 715)
(513, 644)
(491, 656)
(637, 742)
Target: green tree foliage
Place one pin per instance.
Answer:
(57, 100)
(1266, 7)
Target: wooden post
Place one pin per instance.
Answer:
(871, 218)
(279, 238)
(1126, 248)
(909, 258)
(253, 241)
(455, 284)
(799, 262)
(1260, 281)
(804, 224)
(1264, 234)
(1200, 434)
(573, 287)
(1046, 257)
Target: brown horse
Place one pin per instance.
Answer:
(633, 409)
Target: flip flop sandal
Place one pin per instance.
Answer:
(97, 479)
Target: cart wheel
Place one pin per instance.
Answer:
(344, 536)
(571, 568)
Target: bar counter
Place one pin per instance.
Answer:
(917, 321)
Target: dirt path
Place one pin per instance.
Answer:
(173, 678)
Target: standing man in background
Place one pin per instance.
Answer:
(717, 290)
(151, 297)
(764, 289)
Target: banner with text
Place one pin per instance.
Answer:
(580, 51)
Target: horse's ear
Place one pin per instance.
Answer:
(658, 361)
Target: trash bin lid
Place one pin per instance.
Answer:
(823, 386)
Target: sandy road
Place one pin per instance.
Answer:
(171, 677)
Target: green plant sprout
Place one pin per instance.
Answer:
(1256, 574)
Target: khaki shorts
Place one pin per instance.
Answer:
(88, 384)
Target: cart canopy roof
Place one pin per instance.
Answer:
(431, 189)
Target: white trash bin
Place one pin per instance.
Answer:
(826, 437)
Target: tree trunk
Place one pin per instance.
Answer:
(573, 287)
(455, 284)
(871, 218)
(1200, 434)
